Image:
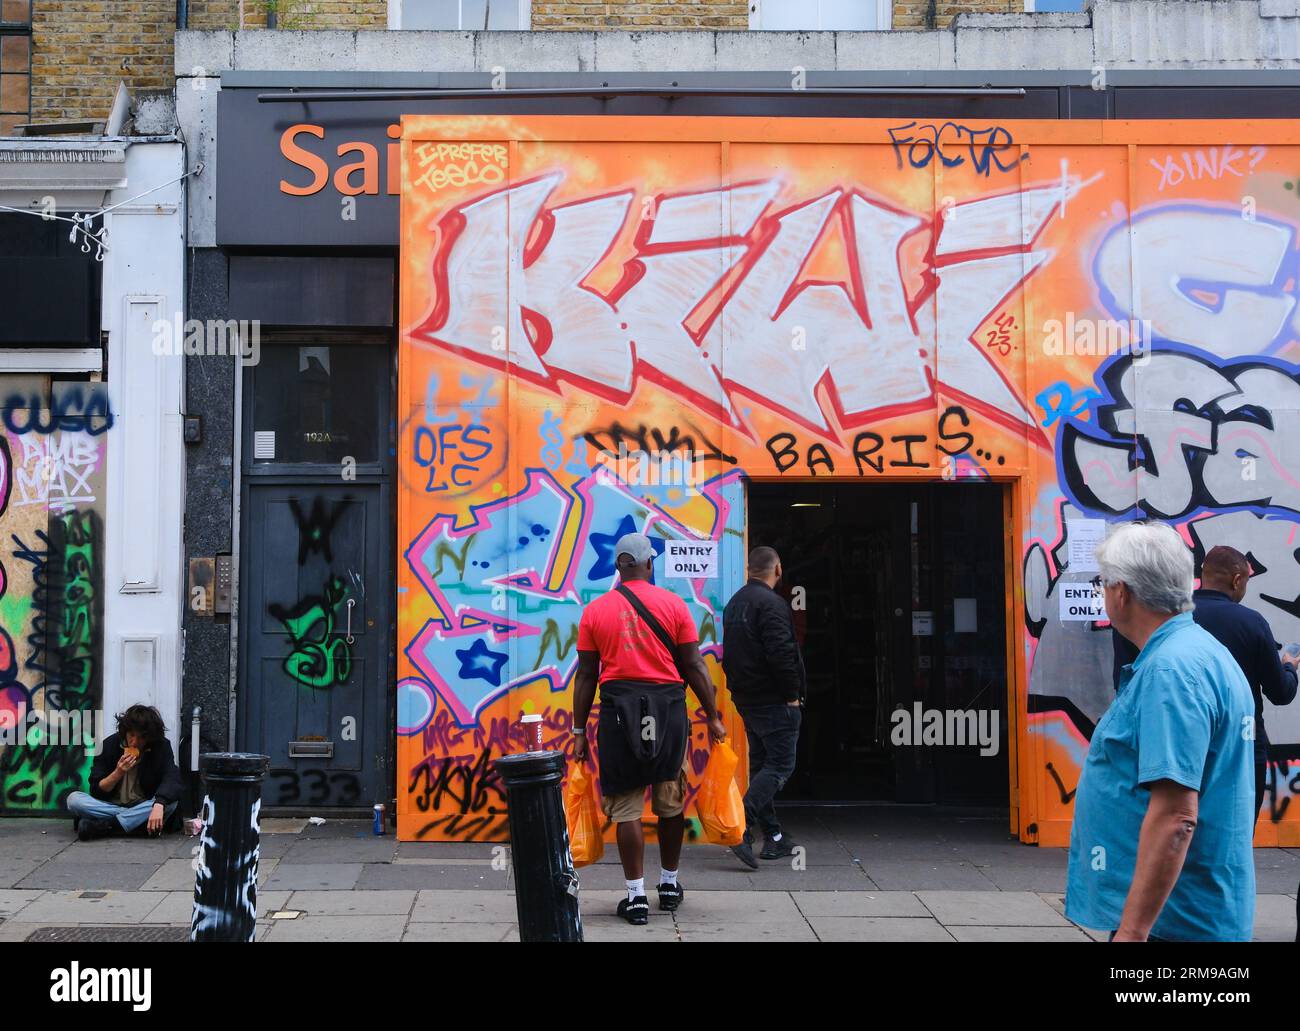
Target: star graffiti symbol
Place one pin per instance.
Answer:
(603, 567)
(478, 663)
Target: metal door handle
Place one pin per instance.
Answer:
(350, 638)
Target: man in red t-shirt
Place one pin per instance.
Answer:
(639, 641)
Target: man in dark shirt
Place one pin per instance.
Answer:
(1245, 633)
(765, 675)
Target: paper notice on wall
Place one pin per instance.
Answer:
(1081, 602)
(1084, 535)
(691, 560)
(922, 624)
(263, 445)
(963, 615)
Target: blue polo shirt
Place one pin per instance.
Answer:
(1184, 712)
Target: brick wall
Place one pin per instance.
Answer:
(81, 48)
(15, 63)
(936, 14)
(630, 15)
(290, 14)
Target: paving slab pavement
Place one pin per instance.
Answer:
(990, 908)
(460, 932)
(878, 929)
(867, 874)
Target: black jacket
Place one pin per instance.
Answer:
(628, 757)
(159, 777)
(1246, 634)
(760, 653)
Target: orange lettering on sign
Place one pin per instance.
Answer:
(350, 179)
(299, 156)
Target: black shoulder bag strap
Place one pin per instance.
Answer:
(655, 626)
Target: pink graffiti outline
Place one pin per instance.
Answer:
(499, 628)
(711, 491)
(537, 480)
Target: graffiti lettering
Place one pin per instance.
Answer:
(1231, 299)
(1173, 437)
(318, 658)
(1211, 163)
(315, 527)
(315, 787)
(982, 147)
(868, 448)
(656, 441)
(1060, 401)
(865, 335)
(69, 635)
(451, 453)
(74, 409)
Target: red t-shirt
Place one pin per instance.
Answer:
(629, 650)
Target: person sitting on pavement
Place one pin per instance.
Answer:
(765, 674)
(1160, 849)
(134, 782)
(640, 643)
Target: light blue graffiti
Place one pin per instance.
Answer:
(553, 441)
(1061, 401)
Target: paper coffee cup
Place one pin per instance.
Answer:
(532, 723)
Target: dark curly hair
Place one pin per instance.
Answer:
(145, 720)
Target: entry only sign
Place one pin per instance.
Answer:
(691, 560)
(1081, 602)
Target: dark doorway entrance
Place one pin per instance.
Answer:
(316, 599)
(903, 625)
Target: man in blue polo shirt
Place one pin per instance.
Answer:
(1161, 844)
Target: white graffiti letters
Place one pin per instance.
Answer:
(1203, 277)
(1185, 435)
(716, 297)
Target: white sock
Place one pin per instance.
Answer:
(635, 888)
(776, 837)
(667, 876)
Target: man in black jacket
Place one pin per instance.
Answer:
(134, 781)
(1245, 633)
(765, 675)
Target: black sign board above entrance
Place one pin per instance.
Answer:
(322, 172)
(325, 173)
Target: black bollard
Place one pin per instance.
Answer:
(546, 888)
(225, 884)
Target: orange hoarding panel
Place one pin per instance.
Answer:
(610, 324)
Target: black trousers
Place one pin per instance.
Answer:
(1261, 782)
(773, 734)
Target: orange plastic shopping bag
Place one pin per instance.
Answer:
(582, 814)
(719, 805)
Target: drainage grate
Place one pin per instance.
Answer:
(145, 933)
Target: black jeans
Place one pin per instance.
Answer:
(1261, 780)
(773, 733)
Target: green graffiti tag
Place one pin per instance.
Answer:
(318, 659)
(64, 650)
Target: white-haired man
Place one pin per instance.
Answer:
(1160, 849)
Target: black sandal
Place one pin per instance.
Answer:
(636, 912)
